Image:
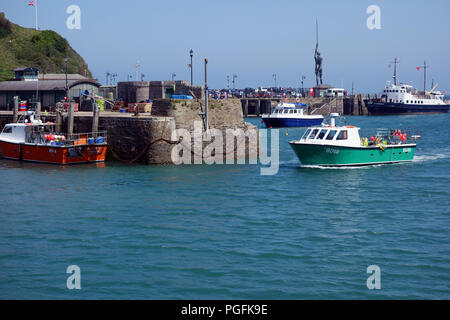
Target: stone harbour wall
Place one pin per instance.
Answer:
(148, 138)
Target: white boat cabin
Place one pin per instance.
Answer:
(331, 135)
(288, 109)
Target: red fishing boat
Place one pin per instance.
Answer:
(32, 140)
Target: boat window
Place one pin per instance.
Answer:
(306, 134)
(285, 111)
(322, 134)
(331, 134)
(291, 111)
(342, 135)
(7, 130)
(313, 134)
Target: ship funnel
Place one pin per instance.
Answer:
(333, 117)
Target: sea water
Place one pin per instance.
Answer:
(227, 232)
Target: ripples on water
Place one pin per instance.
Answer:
(225, 232)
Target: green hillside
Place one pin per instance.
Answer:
(46, 50)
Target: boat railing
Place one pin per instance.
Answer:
(60, 140)
(99, 137)
(389, 136)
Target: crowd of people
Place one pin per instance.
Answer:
(256, 93)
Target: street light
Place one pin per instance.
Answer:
(191, 53)
(173, 76)
(275, 78)
(303, 78)
(66, 60)
(234, 81)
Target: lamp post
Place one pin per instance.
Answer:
(66, 60)
(275, 78)
(173, 76)
(234, 81)
(303, 78)
(191, 53)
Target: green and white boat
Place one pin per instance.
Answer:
(336, 146)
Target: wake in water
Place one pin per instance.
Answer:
(426, 158)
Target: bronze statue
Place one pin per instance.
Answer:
(318, 58)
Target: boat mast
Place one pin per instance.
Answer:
(425, 67)
(425, 77)
(395, 70)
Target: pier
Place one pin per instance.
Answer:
(147, 137)
(349, 105)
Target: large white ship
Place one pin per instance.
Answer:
(405, 99)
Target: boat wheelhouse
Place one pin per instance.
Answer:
(333, 145)
(290, 115)
(33, 140)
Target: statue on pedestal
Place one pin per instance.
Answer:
(318, 58)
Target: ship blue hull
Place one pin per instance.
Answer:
(289, 122)
(383, 108)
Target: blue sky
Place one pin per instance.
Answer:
(253, 39)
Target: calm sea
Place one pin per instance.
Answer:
(226, 232)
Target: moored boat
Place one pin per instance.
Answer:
(290, 115)
(334, 146)
(33, 140)
(404, 99)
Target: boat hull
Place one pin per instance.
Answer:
(290, 122)
(53, 154)
(382, 108)
(332, 156)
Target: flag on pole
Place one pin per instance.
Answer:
(33, 3)
(418, 68)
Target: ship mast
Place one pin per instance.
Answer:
(395, 70)
(425, 77)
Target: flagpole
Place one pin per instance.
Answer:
(36, 5)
